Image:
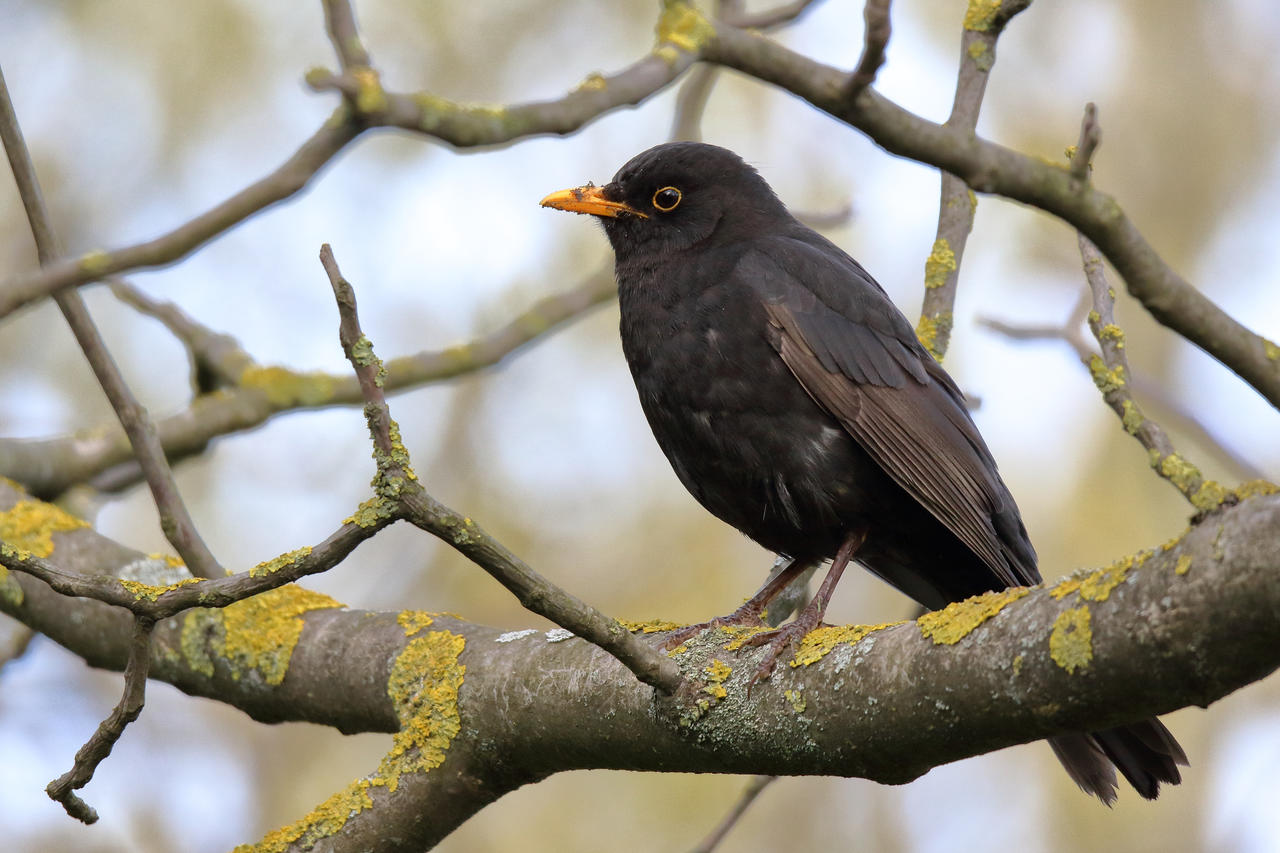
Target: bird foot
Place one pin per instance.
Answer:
(745, 616)
(780, 641)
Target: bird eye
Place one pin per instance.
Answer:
(667, 198)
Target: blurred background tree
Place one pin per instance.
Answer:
(141, 115)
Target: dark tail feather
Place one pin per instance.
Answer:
(1145, 753)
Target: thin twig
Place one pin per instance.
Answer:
(769, 19)
(1090, 137)
(875, 40)
(398, 485)
(691, 102)
(174, 518)
(98, 747)
(958, 204)
(748, 796)
(340, 23)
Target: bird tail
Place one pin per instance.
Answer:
(1145, 753)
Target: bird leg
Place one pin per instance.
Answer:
(780, 639)
(751, 611)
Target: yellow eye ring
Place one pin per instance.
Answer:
(667, 198)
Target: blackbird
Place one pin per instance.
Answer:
(795, 402)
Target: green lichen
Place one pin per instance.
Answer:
(362, 354)
(423, 687)
(1107, 380)
(683, 26)
(1204, 494)
(1071, 643)
(29, 525)
(278, 563)
(149, 592)
(1183, 566)
(1132, 417)
(1017, 665)
(10, 590)
(95, 263)
(981, 55)
(287, 388)
(797, 700)
(257, 635)
(372, 512)
(958, 619)
(981, 15)
(930, 329)
(940, 264)
(821, 641)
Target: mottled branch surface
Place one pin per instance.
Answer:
(1184, 624)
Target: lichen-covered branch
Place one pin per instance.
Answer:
(990, 168)
(958, 204)
(1184, 623)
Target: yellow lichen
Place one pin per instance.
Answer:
(1112, 332)
(370, 96)
(593, 82)
(819, 642)
(1017, 665)
(940, 264)
(151, 593)
(716, 671)
(1271, 350)
(1255, 488)
(95, 263)
(1071, 643)
(423, 687)
(981, 14)
(1132, 417)
(741, 634)
(1183, 566)
(29, 525)
(1107, 380)
(285, 388)
(958, 619)
(1098, 585)
(981, 55)
(278, 563)
(10, 590)
(413, 621)
(652, 626)
(255, 635)
(929, 328)
(682, 25)
(797, 700)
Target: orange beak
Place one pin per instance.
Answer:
(589, 199)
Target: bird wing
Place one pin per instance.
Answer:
(858, 358)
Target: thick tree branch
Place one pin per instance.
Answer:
(1186, 623)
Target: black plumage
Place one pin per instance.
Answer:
(795, 402)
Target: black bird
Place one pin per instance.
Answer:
(795, 402)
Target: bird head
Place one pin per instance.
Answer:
(675, 196)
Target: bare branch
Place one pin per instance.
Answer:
(174, 518)
(49, 466)
(769, 19)
(1090, 136)
(62, 790)
(875, 40)
(340, 22)
(748, 796)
